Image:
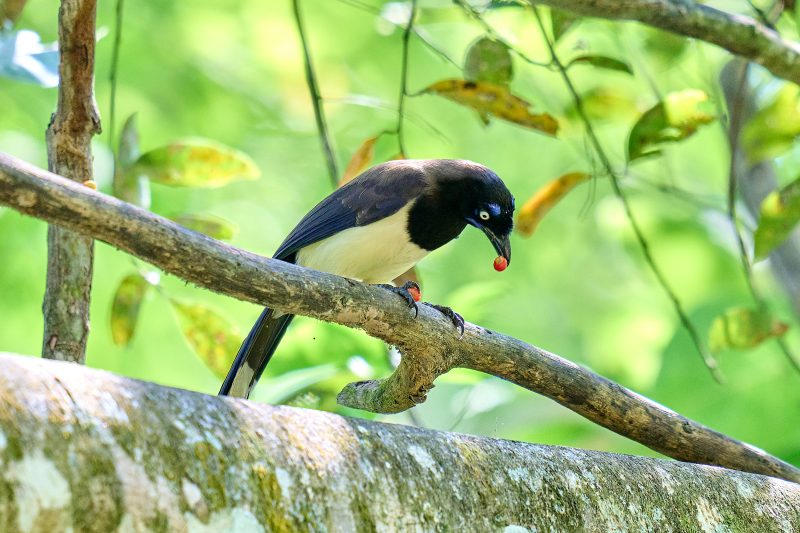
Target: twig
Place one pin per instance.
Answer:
(643, 244)
(113, 75)
(740, 35)
(316, 99)
(70, 256)
(401, 99)
(429, 344)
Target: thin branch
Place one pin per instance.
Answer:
(637, 230)
(401, 99)
(112, 77)
(738, 34)
(70, 257)
(316, 99)
(429, 343)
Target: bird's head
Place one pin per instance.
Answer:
(489, 206)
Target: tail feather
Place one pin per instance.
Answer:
(255, 353)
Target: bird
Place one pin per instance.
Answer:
(376, 227)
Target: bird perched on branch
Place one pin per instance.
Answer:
(376, 227)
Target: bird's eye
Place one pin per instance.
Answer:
(483, 215)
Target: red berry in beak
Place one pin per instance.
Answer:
(500, 263)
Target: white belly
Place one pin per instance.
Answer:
(376, 253)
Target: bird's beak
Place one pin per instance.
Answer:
(501, 244)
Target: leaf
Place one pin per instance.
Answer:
(495, 100)
(561, 22)
(360, 160)
(741, 328)
(608, 63)
(489, 60)
(544, 199)
(211, 336)
(215, 227)
(196, 163)
(129, 185)
(775, 127)
(672, 120)
(780, 213)
(125, 308)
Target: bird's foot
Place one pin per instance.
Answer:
(408, 292)
(455, 318)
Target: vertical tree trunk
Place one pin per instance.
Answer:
(69, 135)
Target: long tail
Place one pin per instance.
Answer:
(255, 353)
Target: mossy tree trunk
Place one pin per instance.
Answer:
(124, 455)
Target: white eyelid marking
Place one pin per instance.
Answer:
(483, 215)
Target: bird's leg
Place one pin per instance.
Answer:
(454, 317)
(405, 292)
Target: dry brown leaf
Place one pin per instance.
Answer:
(360, 160)
(496, 100)
(545, 198)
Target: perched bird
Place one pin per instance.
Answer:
(376, 227)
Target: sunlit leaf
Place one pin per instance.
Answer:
(780, 213)
(608, 63)
(489, 60)
(561, 22)
(775, 127)
(672, 120)
(495, 100)
(741, 328)
(545, 198)
(212, 337)
(210, 225)
(360, 160)
(125, 308)
(196, 163)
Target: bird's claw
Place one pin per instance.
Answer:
(455, 318)
(406, 294)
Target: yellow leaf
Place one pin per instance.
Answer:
(496, 100)
(360, 160)
(545, 198)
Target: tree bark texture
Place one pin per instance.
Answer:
(429, 343)
(124, 455)
(69, 135)
(738, 34)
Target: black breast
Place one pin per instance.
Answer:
(435, 219)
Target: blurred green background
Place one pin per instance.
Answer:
(578, 287)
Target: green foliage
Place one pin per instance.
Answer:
(215, 227)
(780, 213)
(605, 62)
(125, 307)
(742, 328)
(489, 60)
(212, 337)
(195, 163)
(773, 129)
(672, 120)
